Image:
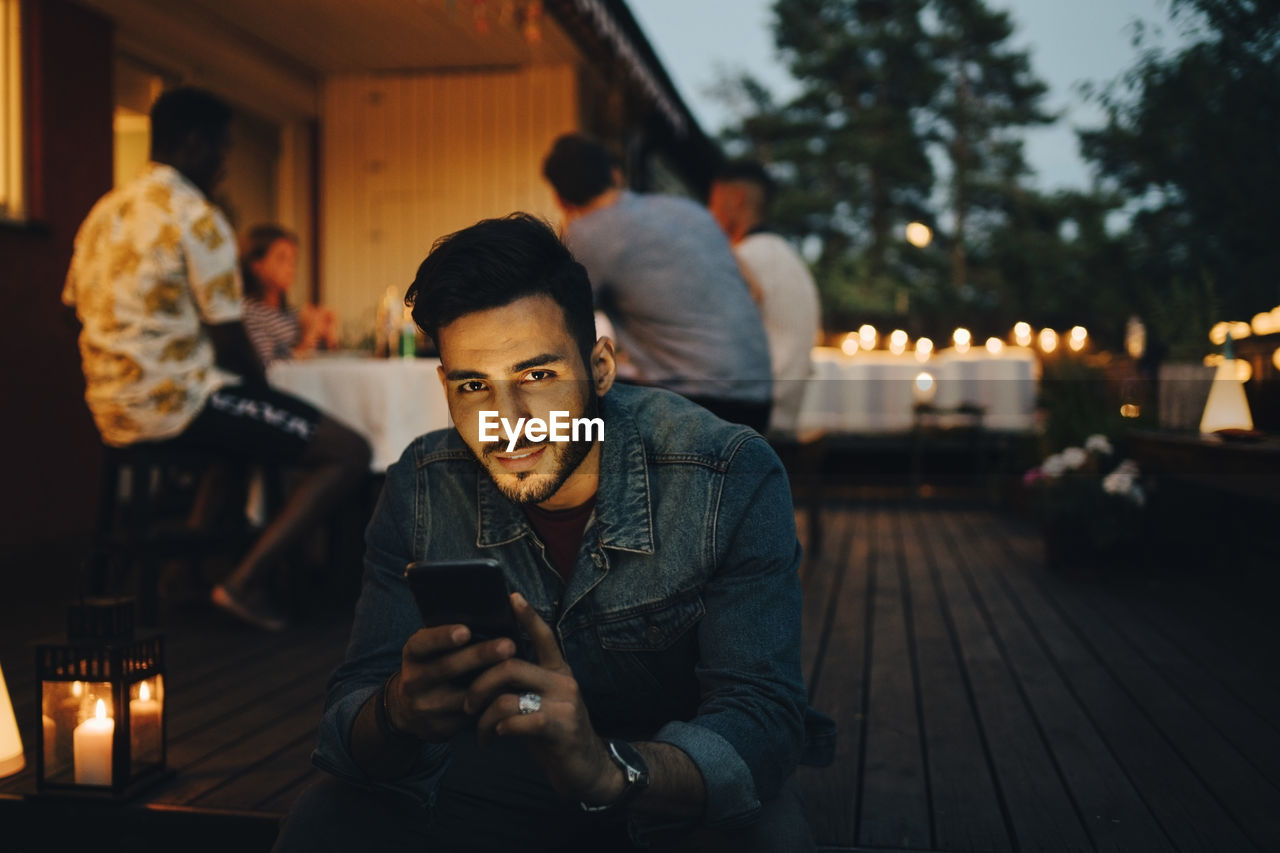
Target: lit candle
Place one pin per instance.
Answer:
(93, 748)
(144, 723)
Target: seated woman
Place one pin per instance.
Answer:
(268, 262)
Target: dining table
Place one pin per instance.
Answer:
(877, 392)
(389, 401)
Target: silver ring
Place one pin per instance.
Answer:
(529, 703)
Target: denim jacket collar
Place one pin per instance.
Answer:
(624, 510)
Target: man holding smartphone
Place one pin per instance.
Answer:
(660, 698)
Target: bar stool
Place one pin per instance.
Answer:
(140, 529)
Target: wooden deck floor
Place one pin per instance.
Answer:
(983, 704)
(986, 705)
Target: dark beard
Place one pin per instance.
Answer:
(574, 453)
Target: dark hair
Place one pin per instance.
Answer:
(257, 241)
(494, 263)
(579, 168)
(180, 112)
(749, 172)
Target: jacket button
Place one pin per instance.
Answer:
(653, 634)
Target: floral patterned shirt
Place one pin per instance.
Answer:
(154, 260)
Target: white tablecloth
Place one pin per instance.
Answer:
(875, 392)
(388, 401)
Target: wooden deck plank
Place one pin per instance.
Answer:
(1229, 770)
(1234, 783)
(281, 772)
(1111, 804)
(1255, 738)
(967, 810)
(206, 758)
(1187, 812)
(829, 794)
(894, 805)
(1009, 690)
(820, 580)
(1201, 631)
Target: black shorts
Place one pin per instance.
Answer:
(256, 424)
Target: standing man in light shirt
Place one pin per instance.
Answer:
(156, 286)
(740, 198)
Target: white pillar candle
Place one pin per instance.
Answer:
(144, 724)
(92, 747)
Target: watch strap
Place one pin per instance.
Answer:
(635, 775)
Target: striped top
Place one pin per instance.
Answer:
(273, 332)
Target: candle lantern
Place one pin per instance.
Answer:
(101, 697)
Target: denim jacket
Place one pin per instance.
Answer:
(680, 621)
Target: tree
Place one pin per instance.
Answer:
(1191, 136)
(849, 145)
(990, 94)
(888, 88)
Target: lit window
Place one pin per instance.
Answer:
(12, 195)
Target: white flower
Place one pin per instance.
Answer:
(1118, 482)
(1074, 458)
(1098, 443)
(1055, 466)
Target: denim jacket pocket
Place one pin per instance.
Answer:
(646, 658)
(652, 627)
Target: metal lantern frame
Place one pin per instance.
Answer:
(100, 659)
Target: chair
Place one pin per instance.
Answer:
(958, 428)
(145, 525)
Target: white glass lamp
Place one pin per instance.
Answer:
(11, 757)
(1227, 406)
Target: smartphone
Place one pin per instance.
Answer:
(464, 592)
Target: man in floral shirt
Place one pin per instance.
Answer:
(155, 284)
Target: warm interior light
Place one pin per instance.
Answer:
(144, 692)
(1022, 334)
(1048, 340)
(1244, 370)
(12, 758)
(995, 346)
(1130, 410)
(961, 339)
(919, 234)
(1275, 358)
(897, 342)
(1240, 330)
(100, 710)
(924, 348)
(1263, 323)
(849, 345)
(1218, 334)
(867, 335)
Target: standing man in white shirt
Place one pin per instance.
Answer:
(740, 198)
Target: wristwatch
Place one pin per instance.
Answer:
(635, 774)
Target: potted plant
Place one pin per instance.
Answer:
(1090, 503)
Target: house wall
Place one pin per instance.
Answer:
(407, 158)
(49, 445)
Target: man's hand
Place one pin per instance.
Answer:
(559, 736)
(422, 700)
